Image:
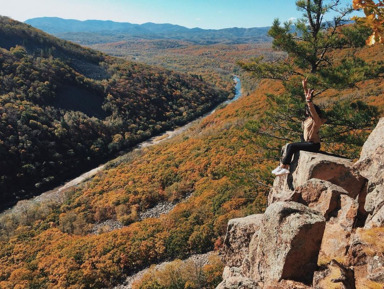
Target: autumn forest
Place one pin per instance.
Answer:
(67, 107)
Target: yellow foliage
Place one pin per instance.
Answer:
(183, 274)
(374, 18)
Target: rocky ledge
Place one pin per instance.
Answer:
(323, 227)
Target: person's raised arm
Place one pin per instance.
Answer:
(309, 95)
(304, 82)
(311, 106)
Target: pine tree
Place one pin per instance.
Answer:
(311, 45)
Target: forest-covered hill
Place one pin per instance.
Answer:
(217, 170)
(214, 171)
(97, 31)
(211, 54)
(65, 108)
(215, 63)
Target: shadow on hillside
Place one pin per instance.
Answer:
(79, 99)
(89, 69)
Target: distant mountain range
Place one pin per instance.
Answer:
(116, 31)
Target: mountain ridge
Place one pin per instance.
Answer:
(115, 24)
(62, 27)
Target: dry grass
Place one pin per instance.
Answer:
(328, 282)
(368, 284)
(374, 240)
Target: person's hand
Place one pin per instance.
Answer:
(309, 94)
(304, 82)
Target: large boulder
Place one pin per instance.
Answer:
(336, 170)
(375, 139)
(238, 237)
(324, 226)
(371, 166)
(338, 231)
(321, 196)
(375, 196)
(288, 244)
(282, 190)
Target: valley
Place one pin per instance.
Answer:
(192, 154)
(57, 195)
(70, 108)
(209, 54)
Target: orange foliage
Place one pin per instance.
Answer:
(374, 18)
(212, 172)
(220, 177)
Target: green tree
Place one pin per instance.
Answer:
(19, 51)
(311, 45)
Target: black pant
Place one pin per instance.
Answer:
(299, 146)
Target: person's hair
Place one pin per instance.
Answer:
(317, 108)
(319, 111)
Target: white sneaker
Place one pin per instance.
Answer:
(276, 170)
(282, 172)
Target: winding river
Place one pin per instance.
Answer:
(57, 195)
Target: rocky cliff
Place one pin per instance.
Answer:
(323, 227)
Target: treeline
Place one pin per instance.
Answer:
(62, 112)
(215, 64)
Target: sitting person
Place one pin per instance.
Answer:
(311, 126)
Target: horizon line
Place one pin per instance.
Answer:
(166, 23)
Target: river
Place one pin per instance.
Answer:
(169, 134)
(57, 194)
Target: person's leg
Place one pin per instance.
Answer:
(293, 148)
(281, 165)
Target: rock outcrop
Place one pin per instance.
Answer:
(323, 227)
(288, 244)
(371, 167)
(239, 232)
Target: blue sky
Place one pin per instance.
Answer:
(213, 14)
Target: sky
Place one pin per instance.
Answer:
(207, 14)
